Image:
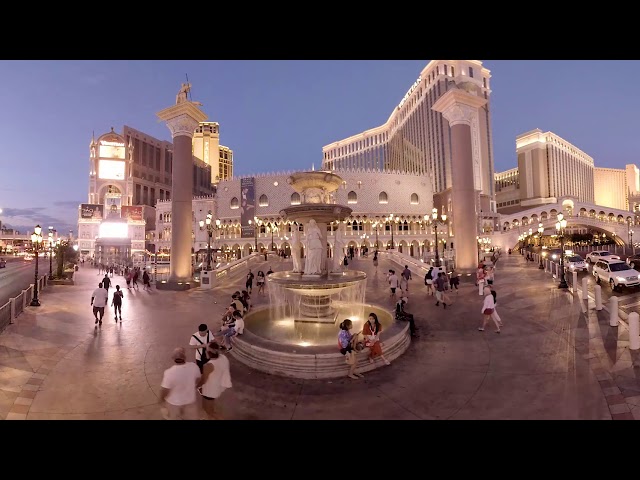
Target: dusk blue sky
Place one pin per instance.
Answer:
(275, 115)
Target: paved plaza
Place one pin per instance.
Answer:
(556, 358)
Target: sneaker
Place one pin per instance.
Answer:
(116, 319)
(100, 323)
(437, 304)
(387, 362)
(96, 321)
(480, 329)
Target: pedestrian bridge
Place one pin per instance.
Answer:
(614, 223)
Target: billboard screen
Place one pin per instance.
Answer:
(131, 212)
(247, 206)
(114, 230)
(91, 211)
(111, 170)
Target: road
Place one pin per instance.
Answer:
(18, 275)
(628, 299)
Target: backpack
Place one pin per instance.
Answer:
(428, 276)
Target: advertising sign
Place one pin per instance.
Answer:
(113, 203)
(247, 206)
(131, 212)
(111, 169)
(91, 211)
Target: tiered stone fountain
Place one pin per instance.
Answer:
(296, 335)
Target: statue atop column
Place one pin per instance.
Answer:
(182, 95)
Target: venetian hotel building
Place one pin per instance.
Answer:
(415, 139)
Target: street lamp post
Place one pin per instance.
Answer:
(633, 248)
(36, 239)
(540, 231)
(208, 225)
(390, 220)
(560, 226)
(376, 227)
(50, 244)
(442, 219)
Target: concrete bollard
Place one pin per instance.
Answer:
(585, 286)
(598, 291)
(613, 311)
(574, 283)
(480, 287)
(634, 331)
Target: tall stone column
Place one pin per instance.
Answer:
(459, 108)
(182, 119)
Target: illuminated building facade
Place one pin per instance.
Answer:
(611, 188)
(207, 148)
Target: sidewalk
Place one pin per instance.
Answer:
(556, 358)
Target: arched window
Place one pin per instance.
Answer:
(383, 198)
(263, 201)
(234, 203)
(352, 197)
(415, 200)
(295, 198)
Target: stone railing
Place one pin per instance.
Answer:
(15, 306)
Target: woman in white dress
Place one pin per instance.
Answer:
(216, 378)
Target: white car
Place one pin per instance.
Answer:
(574, 263)
(593, 257)
(617, 273)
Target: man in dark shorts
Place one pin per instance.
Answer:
(249, 283)
(99, 299)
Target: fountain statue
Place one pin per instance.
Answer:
(314, 249)
(295, 249)
(296, 334)
(338, 248)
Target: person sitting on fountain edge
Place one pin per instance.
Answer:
(405, 316)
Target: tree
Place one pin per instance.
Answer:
(64, 254)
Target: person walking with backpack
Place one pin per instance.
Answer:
(199, 342)
(440, 288)
(116, 302)
(428, 281)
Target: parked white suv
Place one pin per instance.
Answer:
(593, 257)
(617, 273)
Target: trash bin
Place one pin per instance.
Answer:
(206, 278)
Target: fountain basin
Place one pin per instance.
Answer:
(317, 298)
(302, 350)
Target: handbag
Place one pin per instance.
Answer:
(488, 311)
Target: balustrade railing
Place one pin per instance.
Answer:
(17, 305)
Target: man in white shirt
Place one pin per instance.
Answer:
(393, 282)
(199, 341)
(179, 388)
(99, 299)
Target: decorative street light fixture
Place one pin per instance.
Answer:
(436, 220)
(633, 248)
(210, 228)
(272, 227)
(36, 240)
(50, 244)
(376, 227)
(390, 220)
(560, 226)
(540, 231)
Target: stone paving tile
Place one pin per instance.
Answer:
(619, 408)
(623, 416)
(611, 391)
(15, 416)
